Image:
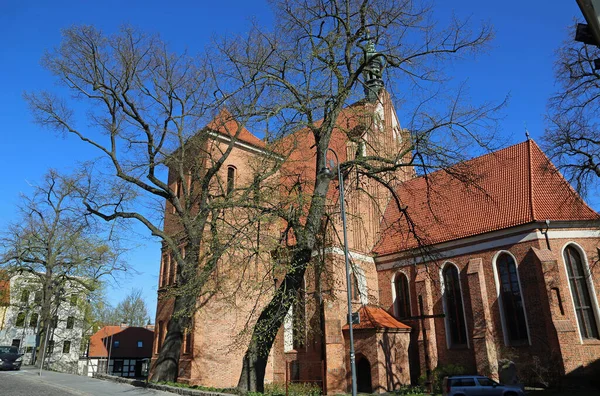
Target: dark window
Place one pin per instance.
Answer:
(230, 179)
(25, 296)
(581, 293)
(512, 303)
(172, 268)
(118, 366)
(299, 317)
(74, 300)
(21, 319)
(16, 343)
(402, 299)
(165, 270)
(50, 348)
(159, 336)
(486, 382)
(38, 297)
(188, 341)
(66, 346)
(462, 382)
(70, 322)
(354, 288)
(33, 320)
(455, 318)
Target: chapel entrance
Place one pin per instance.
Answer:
(363, 375)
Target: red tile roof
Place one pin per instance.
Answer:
(518, 185)
(376, 318)
(225, 124)
(128, 338)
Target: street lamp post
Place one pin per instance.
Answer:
(326, 170)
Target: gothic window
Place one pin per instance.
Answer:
(165, 270)
(577, 272)
(354, 287)
(299, 319)
(172, 269)
(159, 335)
(187, 341)
(402, 301)
(455, 317)
(511, 301)
(230, 179)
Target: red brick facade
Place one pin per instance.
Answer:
(469, 233)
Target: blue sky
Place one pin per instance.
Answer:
(519, 63)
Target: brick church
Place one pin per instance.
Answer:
(502, 268)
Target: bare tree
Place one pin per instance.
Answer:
(60, 255)
(132, 309)
(572, 136)
(153, 110)
(318, 60)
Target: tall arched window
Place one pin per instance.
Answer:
(455, 316)
(230, 179)
(509, 292)
(582, 298)
(402, 301)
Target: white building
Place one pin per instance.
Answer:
(20, 321)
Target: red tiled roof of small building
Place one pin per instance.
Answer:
(376, 318)
(127, 336)
(514, 186)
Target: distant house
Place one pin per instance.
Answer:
(20, 300)
(118, 350)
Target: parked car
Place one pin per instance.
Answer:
(478, 385)
(10, 358)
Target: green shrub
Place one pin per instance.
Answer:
(438, 374)
(407, 390)
(294, 389)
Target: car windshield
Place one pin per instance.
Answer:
(8, 349)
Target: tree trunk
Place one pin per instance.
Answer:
(269, 322)
(166, 368)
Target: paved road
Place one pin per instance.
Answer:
(27, 382)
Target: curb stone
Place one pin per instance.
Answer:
(165, 388)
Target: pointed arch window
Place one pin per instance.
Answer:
(354, 287)
(511, 301)
(455, 316)
(402, 300)
(299, 318)
(230, 179)
(578, 273)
